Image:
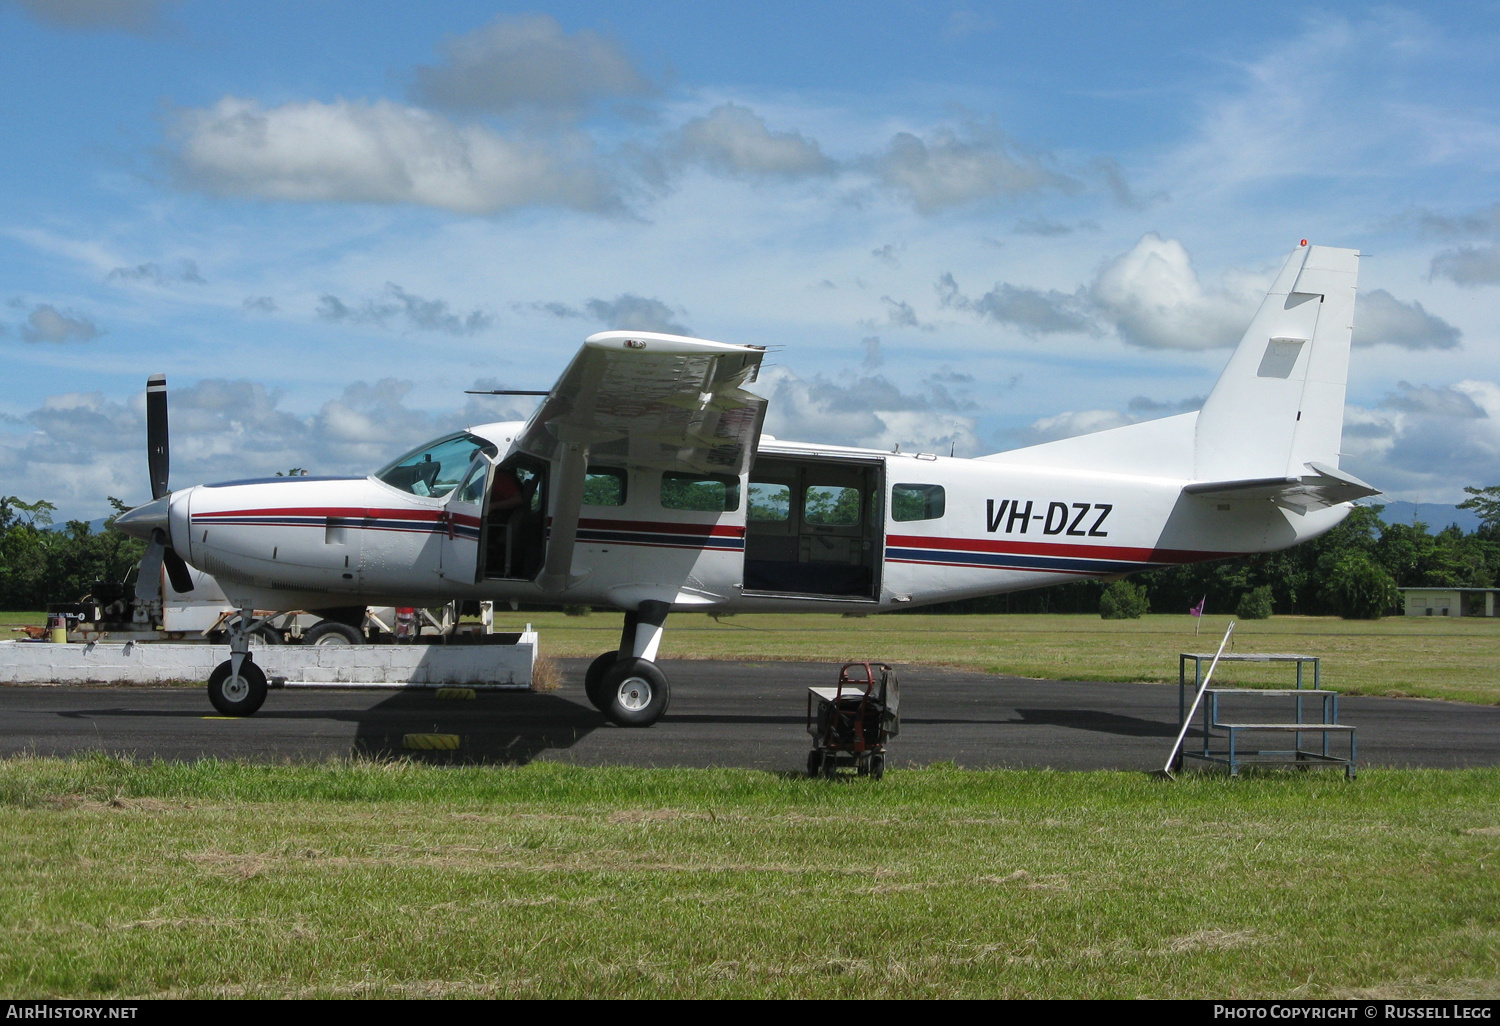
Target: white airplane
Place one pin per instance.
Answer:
(643, 482)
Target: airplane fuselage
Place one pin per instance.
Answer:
(810, 528)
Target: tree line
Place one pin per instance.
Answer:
(1353, 570)
(42, 563)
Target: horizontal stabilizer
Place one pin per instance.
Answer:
(1326, 486)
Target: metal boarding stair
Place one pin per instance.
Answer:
(1234, 755)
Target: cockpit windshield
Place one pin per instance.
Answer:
(434, 469)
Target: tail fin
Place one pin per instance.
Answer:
(1279, 405)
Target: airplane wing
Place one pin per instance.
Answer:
(642, 400)
(1325, 486)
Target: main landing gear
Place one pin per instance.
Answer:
(626, 685)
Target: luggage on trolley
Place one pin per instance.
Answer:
(851, 722)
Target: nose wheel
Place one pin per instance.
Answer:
(237, 694)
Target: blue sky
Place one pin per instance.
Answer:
(964, 226)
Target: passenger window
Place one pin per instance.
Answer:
(831, 506)
(769, 503)
(917, 502)
(709, 493)
(604, 486)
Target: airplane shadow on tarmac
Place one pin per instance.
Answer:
(505, 727)
(1102, 722)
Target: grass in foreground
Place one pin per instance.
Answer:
(395, 879)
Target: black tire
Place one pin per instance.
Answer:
(267, 635)
(814, 762)
(594, 675)
(877, 767)
(331, 632)
(635, 692)
(239, 696)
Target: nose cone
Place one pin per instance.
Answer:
(143, 520)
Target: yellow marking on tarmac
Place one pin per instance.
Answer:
(221, 717)
(430, 742)
(463, 693)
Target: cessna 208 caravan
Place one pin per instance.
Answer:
(643, 482)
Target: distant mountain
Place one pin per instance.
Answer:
(1435, 515)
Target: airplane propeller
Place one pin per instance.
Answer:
(151, 521)
(158, 452)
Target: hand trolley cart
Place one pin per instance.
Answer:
(851, 722)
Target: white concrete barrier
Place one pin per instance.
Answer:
(29, 662)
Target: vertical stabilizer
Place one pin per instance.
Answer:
(1279, 404)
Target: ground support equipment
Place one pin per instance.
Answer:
(851, 722)
(1234, 754)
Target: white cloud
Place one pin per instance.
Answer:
(1075, 422)
(1483, 223)
(1446, 401)
(1468, 265)
(630, 312)
(950, 171)
(1332, 102)
(381, 152)
(734, 140)
(46, 323)
(1153, 297)
(413, 311)
(902, 315)
(869, 411)
(1380, 317)
(1425, 442)
(527, 61)
(77, 448)
(1032, 311)
(153, 274)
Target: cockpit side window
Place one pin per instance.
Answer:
(472, 490)
(434, 469)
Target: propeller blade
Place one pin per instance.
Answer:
(177, 571)
(158, 455)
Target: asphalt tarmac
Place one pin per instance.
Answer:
(722, 714)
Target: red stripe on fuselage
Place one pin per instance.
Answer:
(334, 512)
(662, 527)
(1007, 546)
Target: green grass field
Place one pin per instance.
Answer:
(1434, 657)
(400, 879)
(210, 879)
(1420, 657)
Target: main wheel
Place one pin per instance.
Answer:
(331, 632)
(877, 767)
(814, 762)
(237, 695)
(594, 675)
(635, 692)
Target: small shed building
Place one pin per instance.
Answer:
(1449, 601)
